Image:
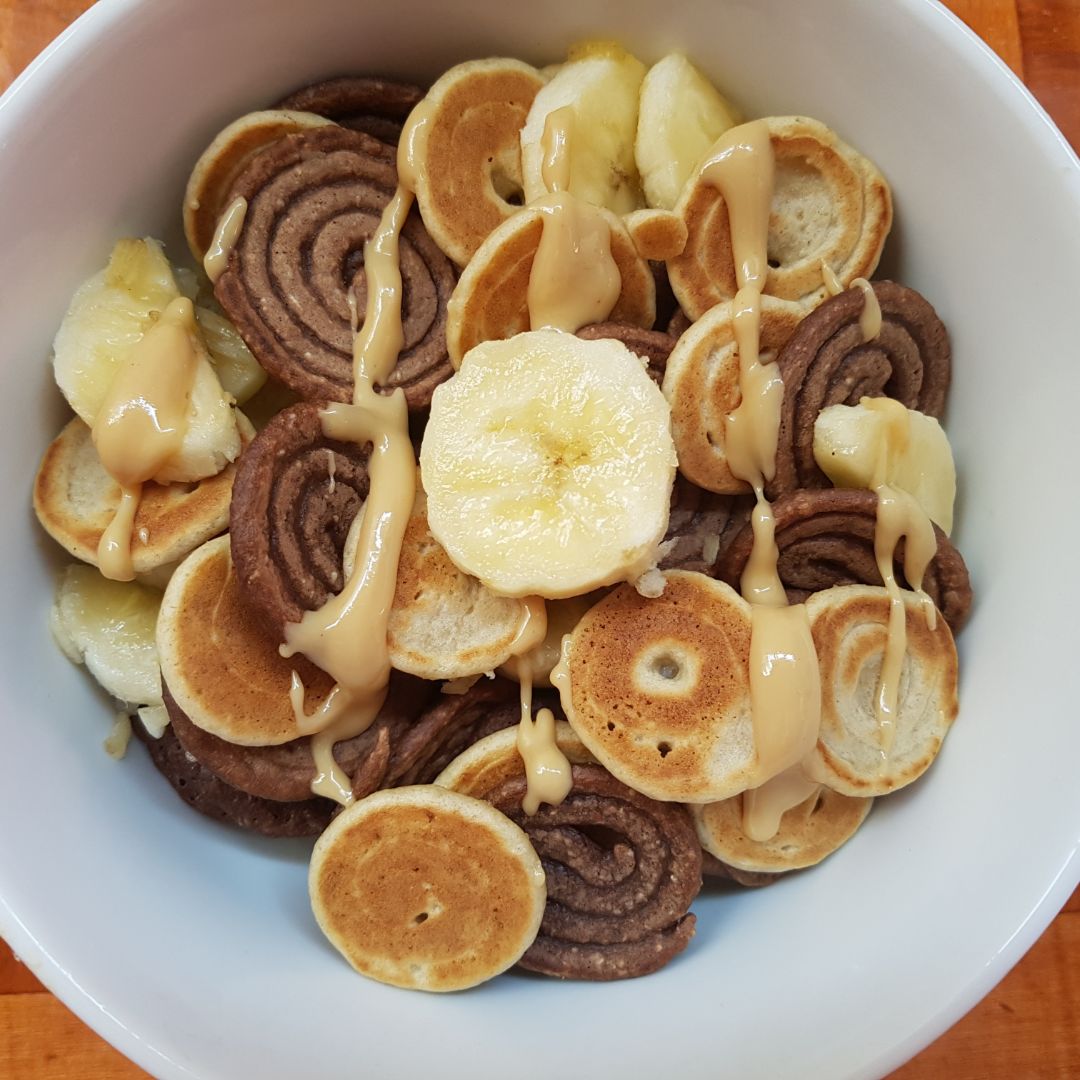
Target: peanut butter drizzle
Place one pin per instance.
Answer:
(898, 515)
(346, 637)
(226, 234)
(785, 688)
(142, 421)
(832, 283)
(574, 279)
(548, 775)
(764, 807)
(870, 319)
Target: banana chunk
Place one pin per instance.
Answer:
(109, 626)
(108, 316)
(848, 442)
(680, 116)
(548, 464)
(600, 83)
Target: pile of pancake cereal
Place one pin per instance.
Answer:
(526, 491)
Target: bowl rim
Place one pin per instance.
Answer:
(37, 80)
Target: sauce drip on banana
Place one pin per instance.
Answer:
(347, 636)
(141, 423)
(574, 279)
(785, 687)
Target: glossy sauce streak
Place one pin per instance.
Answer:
(141, 423)
(226, 234)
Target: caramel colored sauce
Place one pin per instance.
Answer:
(547, 772)
(763, 807)
(785, 686)
(226, 235)
(142, 421)
(574, 280)
(346, 637)
(870, 319)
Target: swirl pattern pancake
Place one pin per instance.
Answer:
(827, 362)
(313, 201)
(826, 538)
(653, 346)
(291, 516)
(377, 107)
(622, 871)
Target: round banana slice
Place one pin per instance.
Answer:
(75, 499)
(829, 204)
(701, 383)
(207, 194)
(491, 299)
(468, 153)
(427, 889)
(222, 669)
(109, 627)
(809, 832)
(548, 465)
(854, 756)
(659, 690)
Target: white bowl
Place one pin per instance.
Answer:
(192, 948)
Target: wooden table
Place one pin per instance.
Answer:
(1028, 1027)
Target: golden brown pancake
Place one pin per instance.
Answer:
(493, 760)
(207, 194)
(659, 690)
(444, 623)
(808, 832)
(657, 234)
(829, 203)
(220, 665)
(701, 383)
(490, 301)
(427, 889)
(469, 155)
(75, 499)
(849, 626)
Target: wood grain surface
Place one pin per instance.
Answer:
(1029, 1027)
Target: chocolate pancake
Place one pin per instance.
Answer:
(712, 867)
(284, 772)
(827, 362)
(314, 199)
(654, 346)
(290, 516)
(622, 871)
(210, 795)
(377, 107)
(826, 537)
(700, 525)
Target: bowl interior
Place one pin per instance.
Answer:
(185, 943)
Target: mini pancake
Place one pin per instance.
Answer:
(427, 889)
(377, 107)
(489, 763)
(659, 692)
(211, 796)
(490, 300)
(808, 832)
(829, 203)
(653, 346)
(444, 623)
(220, 665)
(657, 234)
(849, 627)
(701, 383)
(207, 194)
(469, 152)
(75, 499)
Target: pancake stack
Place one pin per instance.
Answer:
(433, 876)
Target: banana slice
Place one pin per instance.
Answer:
(680, 115)
(110, 313)
(109, 626)
(240, 374)
(548, 464)
(601, 83)
(848, 442)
